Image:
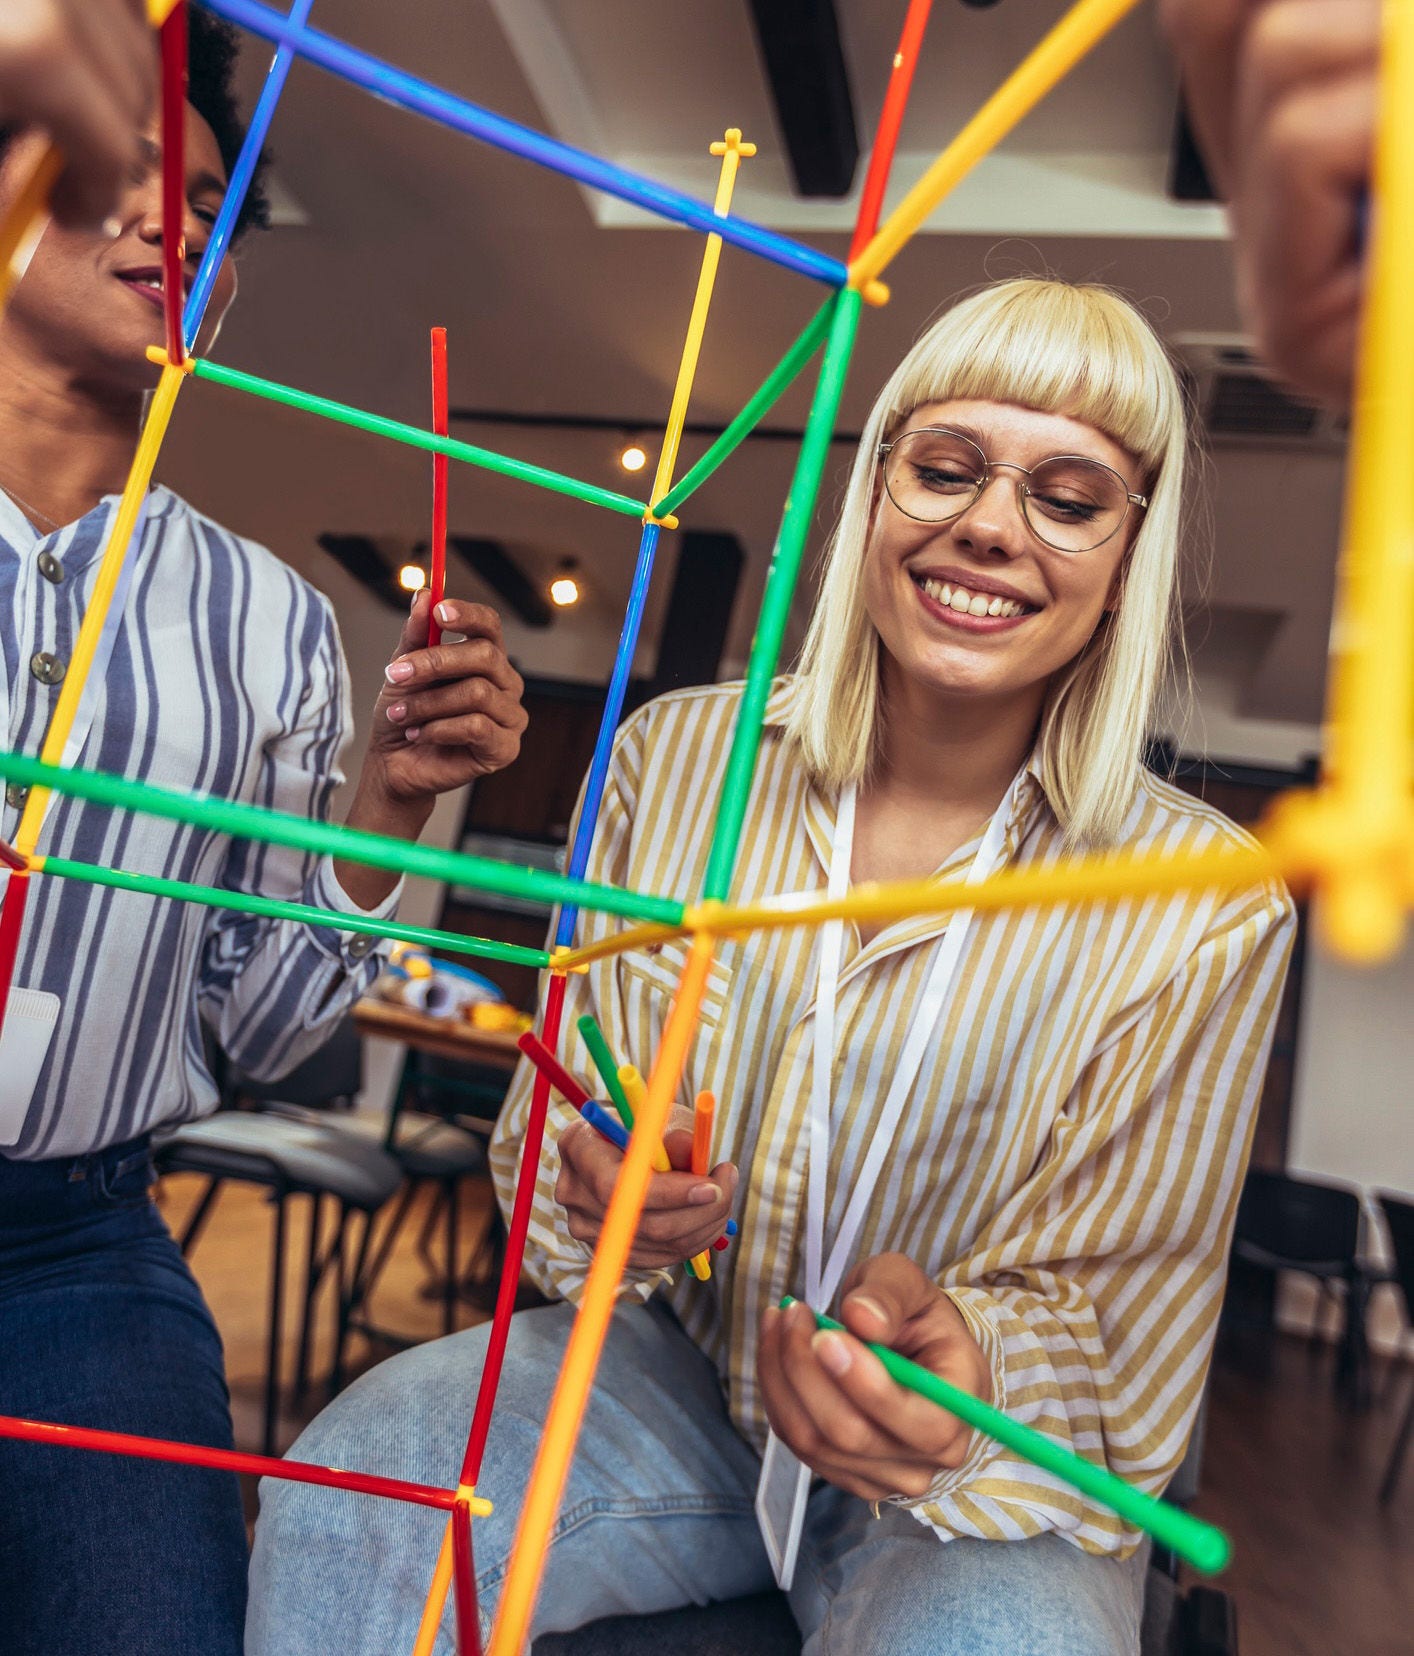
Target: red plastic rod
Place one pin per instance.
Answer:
(439, 483)
(464, 1583)
(552, 1069)
(515, 1246)
(224, 1460)
(876, 180)
(12, 919)
(174, 178)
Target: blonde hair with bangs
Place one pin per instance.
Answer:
(1061, 348)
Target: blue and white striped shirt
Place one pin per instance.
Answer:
(226, 676)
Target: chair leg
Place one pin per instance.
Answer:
(194, 1226)
(313, 1279)
(1396, 1453)
(277, 1296)
(385, 1244)
(346, 1305)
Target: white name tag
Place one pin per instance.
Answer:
(29, 1024)
(781, 1496)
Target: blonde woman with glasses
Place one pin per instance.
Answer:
(1008, 1145)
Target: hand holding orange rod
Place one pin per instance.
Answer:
(438, 578)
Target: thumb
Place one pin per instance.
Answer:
(414, 633)
(885, 1294)
(677, 1138)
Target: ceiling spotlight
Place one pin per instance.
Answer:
(564, 589)
(633, 457)
(412, 577)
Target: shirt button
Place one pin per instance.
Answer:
(15, 795)
(50, 568)
(48, 669)
(359, 945)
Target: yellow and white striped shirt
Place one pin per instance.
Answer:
(1070, 1161)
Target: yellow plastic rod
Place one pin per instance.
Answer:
(1082, 28)
(731, 149)
(1087, 879)
(96, 615)
(571, 1395)
(1372, 669)
(24, 224)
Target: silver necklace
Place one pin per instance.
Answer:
(31, 512)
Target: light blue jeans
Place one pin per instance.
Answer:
(658, 1513)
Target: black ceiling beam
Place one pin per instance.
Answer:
(488, 560)
(358, 555)
(809, 84)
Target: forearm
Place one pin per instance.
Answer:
(375, 811)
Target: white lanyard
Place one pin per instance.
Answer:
(822, 1278)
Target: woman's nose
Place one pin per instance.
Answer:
(994, 521)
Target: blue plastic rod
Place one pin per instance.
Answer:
(395, 86)
(241, 174)
(609, 724)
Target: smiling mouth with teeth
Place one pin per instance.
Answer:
(966, 602)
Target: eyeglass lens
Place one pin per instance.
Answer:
(1072, 504)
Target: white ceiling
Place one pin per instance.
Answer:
(550, 307)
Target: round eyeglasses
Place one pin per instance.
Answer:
(1071, 503)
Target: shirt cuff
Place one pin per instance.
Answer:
(982, 1448)
(325, 892)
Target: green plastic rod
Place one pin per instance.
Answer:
(780, 589)
(1201, 1545)
(771, 390)
(416, 437)
(241, 902)
(228, 816)
(593, 1037)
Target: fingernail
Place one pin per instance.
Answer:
(112, 227)
(413, 605)
(701, 1195)
(398, 672)
(398, 712)
(413, 732)
(445, 614)
(866, 1302)
(833, 1353)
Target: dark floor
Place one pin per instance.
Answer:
(1319, 1569)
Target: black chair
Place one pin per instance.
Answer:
(266, 1134)
(1312, 1226)
(1399, 1221)
(1199, 1622)
(437, 1131)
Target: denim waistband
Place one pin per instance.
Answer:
(54, 1192)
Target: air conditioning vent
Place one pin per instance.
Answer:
(1238, 404)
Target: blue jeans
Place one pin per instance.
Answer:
(658, 1513)
(101, 1324)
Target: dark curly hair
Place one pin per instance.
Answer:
(212, 49)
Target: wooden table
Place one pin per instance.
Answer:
(442, 1037)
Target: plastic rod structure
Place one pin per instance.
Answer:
(23, 225)
(566, 1411)
(276, 908)
(780, 589)
(238, 188)
(1198, 1543)
(438, 578)
(767, 395)
(174, 177)
(881, 158)
(242, 821)
(396, 87)
(232, 1460)
(1082, 28)
(414, 436)
(1372, 668)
